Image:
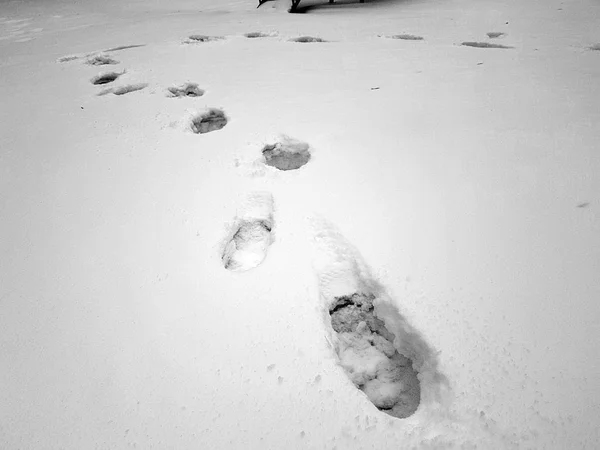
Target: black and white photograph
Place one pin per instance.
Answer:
(299, 224)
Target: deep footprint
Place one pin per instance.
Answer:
(381, 353)
(213, 120)
(248, 245)
(484, 45)
(367, 353)
(105, 78)
(185, 90)
(407, 37)
(258, 34)
(305, 39)
(287, 154)
(203, 38)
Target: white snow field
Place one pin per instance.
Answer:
(454, 186)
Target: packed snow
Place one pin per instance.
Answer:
(359, 226)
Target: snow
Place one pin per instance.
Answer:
(459, 184)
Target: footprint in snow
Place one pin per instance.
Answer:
(185, 90)
(380, 352)
(406, 37)
(105, 78)
(484, 45)
(195, 38)
(212, 120)
(273, 154)
(68, 58)
(101, 60)
(307, 39)
(249, 241)
(122, 90)
(259, 34)
(286, 154)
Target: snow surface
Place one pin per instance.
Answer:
(460, 182)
